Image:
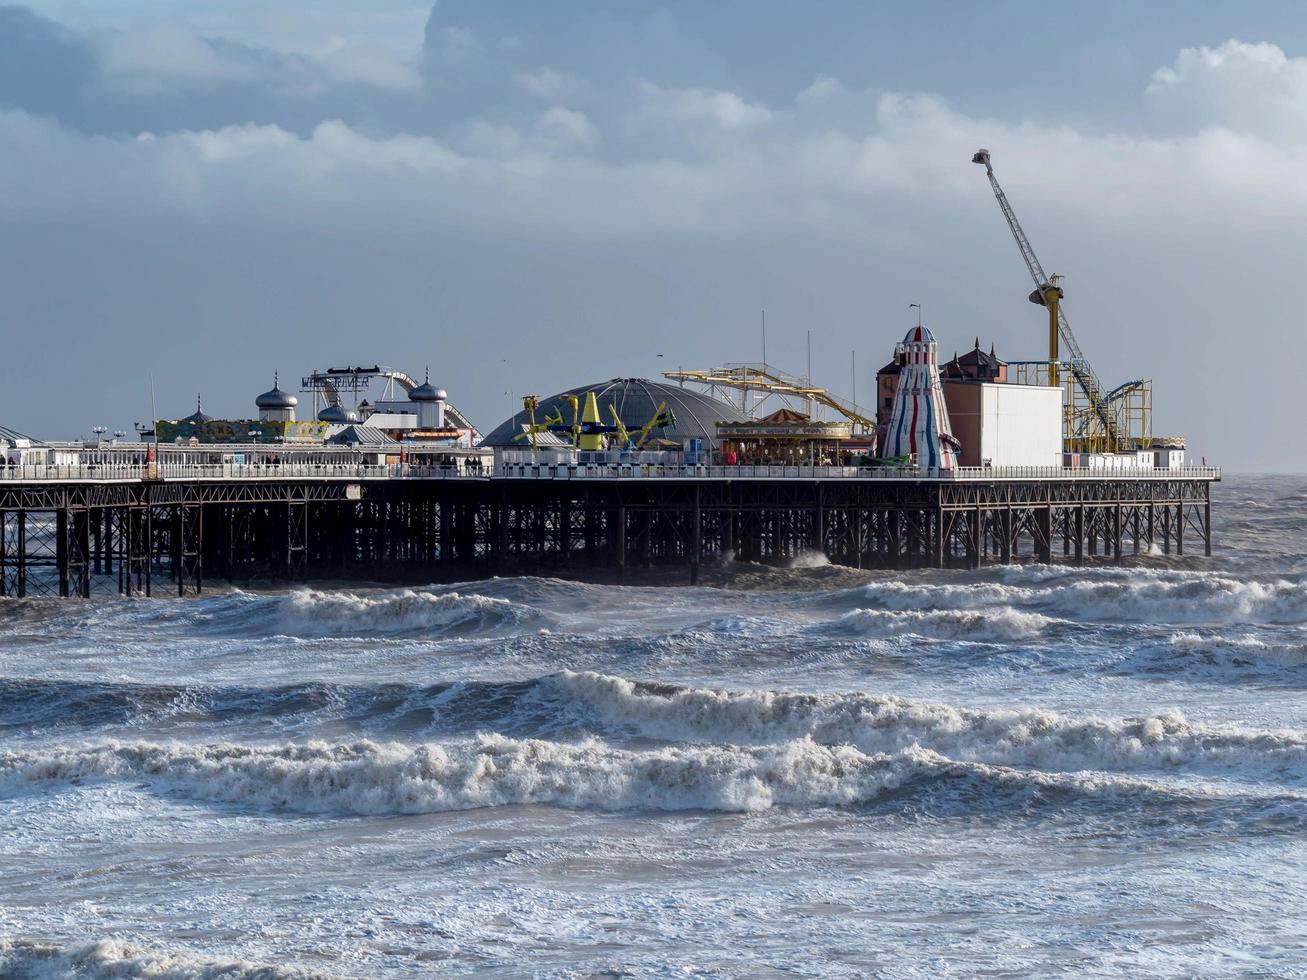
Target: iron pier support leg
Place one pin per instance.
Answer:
(178, 549)
(696, 538)
(1151, 532)
(1116, 534)
(1005, 528)
(81, 543)
(937, 537)
(501, 530)
(4, 553)
(1079, 531)
(297, 533)
(124, 546)
(1135, 533)
(977, 532)
(20, 583)
(619, 541)
(147, 521)
(96, 543)
(447, 530)
(818, 542)
(565, 530)
(1179, 528)
(893, 518)
(1207, 519)
(1045, 554)
(61, 549)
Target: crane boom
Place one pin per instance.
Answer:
(1028, 253)
(1079, 364)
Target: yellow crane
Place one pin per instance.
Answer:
(1093, 420)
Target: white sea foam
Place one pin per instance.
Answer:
(308, 612)
(371, 778)
(1000, 623)
(113, 958)
(1103, 595)
(1245, 648)
(880, 724)
(491, 770)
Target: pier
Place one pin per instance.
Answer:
(168, 527)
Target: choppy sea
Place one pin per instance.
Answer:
(811, 771)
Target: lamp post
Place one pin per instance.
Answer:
(118, 434)
(99, 431)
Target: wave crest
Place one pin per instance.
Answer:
(409, 612)
(1002, 623)
(877, 723)
(367, 778)
(1104, 595)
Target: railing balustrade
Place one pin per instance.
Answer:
(123, 472)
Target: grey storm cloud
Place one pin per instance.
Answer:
(531, 201)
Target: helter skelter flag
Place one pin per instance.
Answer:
(919, 423)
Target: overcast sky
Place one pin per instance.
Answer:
(530, 196)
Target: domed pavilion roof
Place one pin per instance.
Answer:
(636, 401)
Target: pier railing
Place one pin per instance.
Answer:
(610, 471)
(286, 470)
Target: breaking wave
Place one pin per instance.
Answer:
(1104, 595)
(383, 779)
(877, 723)
(38, 705)
(112, 958)
(400, 612)
(1248, 650)
(588, 704)
(1001, 623)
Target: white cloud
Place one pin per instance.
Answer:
(165, 56)
(367, 64)
(1245, 87)
(167, 59)
(568, 126)
(546, 83)
(912, 159)
(822, 89)
(697, 107)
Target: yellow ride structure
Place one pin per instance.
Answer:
(587, 431)
(753, 383)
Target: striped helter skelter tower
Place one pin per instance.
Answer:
(919, 422)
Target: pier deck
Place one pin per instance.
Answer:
(69, 531)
